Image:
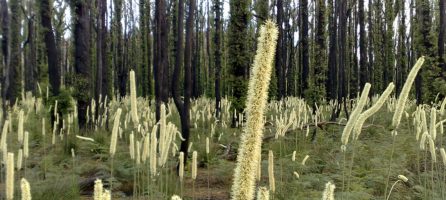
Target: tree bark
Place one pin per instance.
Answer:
(184, 111)
(363, 69)
(332, 57)
(82, 59)
(217, 54)
(5, 47)
(279, 57)
(442, 34)
(50, 44)
(160, 61)
(121, 69)
(14, 88)
(305, 46)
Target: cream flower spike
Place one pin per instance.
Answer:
(402, 99)
(243, 186)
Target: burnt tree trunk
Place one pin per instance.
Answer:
(442, 34)
(120, 65)
(30, 53)
(217, 54)
(183, 106)
(332, 55)
(13, 87)
(363, 69)
(5, 46)
(305, 45)
(160, 49)
(105, 90)
(99, 39)
(279, 61)
(51, 48)
(82, 59)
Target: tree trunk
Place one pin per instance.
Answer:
(160, 61)
(82, 59)
(99, 41)
(217, 54)
(279, 48)
(30, 51)
(5, 47)
(178, 57)
(370, 47)
(185, 122)
(51, 49)
(105, 90)
(342, 45)
(442, 34)
(332, 57)
(305, 46)
(363, 69)
(14, 73)
(120, 65)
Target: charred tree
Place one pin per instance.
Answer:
(184, 105)
(217, 54)
(51, 48)
(82, 59)
(160, 49)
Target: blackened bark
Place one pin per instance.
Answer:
(178, 57)
(342, 45)
(160, 61)
(196, 74)
(30, 55)
(5, 46)
(442, 34)
(217, 54)
(332, 56)
(121, 70)
(363, 69)
(14, 73)
(305, 46)
(279, 61)
(99, 39)
(82, 59)
(50, 44)
(105, 91)
(184, 115)
(370, 46)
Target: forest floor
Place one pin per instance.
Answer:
(68, 178)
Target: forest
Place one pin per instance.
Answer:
(222, 99)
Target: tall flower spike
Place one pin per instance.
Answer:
(20, 127)
(432, 125)
(181, 166)
(263, 193)
(25, 145)
(329, 191)
(243, 186)
(132, 146)
(133, 102)
(176, 197)
(194, 165)
(443, 156)
(3, 139)
(272, 181)
(10, 177)
(355, 113)
(402, 99)
(432, 149)
(114, 136)
(372, 110)
(98, 190)
(26, 189)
